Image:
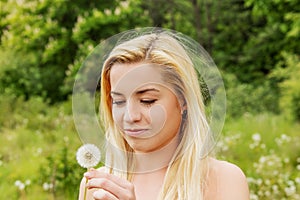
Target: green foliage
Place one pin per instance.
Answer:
(44, 43)
(38, 142)
(46, 38)
(290, 86)
(94, 26)
(274, 24)
(247, 98)
(59, 172)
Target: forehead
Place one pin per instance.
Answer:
(129, 77)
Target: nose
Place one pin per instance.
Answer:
(132, 113)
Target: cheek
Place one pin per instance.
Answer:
(117, 114)
(158, 118)
(172, 117)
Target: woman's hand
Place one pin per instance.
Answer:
(109, 186)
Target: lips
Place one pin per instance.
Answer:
(135, 132)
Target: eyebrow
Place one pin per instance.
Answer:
(138, 92)
(147, 90)
(116, 93)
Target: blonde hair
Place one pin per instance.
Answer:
(187, 173)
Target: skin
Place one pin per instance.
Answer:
(146, 110)
(148, 113)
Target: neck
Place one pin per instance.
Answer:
(155, 160)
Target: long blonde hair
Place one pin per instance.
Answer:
(187, 173)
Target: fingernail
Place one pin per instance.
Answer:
(87, 174)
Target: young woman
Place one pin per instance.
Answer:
(156, 128)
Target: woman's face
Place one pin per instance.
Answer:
(144, 107)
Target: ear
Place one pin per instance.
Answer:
(184, 114)
(183, 105)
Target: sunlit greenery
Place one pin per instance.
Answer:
(43, 43)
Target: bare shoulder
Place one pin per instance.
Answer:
(226, 181)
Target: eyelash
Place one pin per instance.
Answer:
(118, 102)
(146, 102)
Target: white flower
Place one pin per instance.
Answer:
(259, 181)
(88, 156)
(290, 190)
(47, 186)
(253, 197)
(117, 11)
(27, 182)
(256, 137)
(275, 187)
(107, 11)
(20, 185)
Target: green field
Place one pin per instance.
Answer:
(38, 146)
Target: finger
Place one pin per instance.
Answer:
(108, 186)
(93, 173)
(103, 195)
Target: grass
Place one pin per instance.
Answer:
(266, 147)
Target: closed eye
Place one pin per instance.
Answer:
(148, 101)
(118, 102)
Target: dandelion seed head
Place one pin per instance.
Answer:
(88, 156)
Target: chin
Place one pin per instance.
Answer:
(139, 146)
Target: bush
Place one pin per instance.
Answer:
(290, 86)
(249, 98)
(61, 175)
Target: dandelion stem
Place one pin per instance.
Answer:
(85, 188)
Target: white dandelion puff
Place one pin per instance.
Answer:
(88, 156)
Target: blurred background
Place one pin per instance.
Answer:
(254, 43)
